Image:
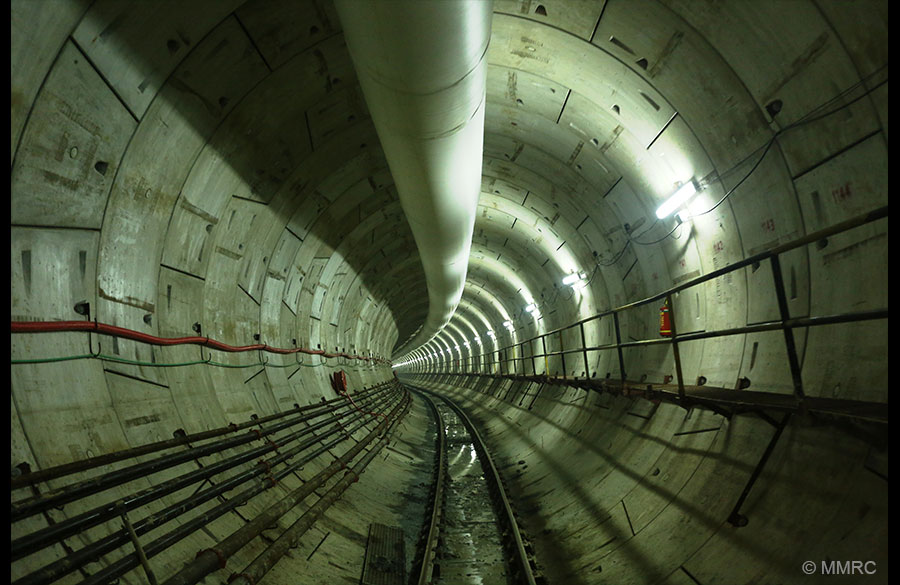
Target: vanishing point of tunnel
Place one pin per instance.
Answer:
(562, 292)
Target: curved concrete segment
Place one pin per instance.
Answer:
(217, 171)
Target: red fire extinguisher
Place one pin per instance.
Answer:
(665, 320)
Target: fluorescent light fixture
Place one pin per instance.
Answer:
(679, 198)
(531, 308)
(571, 279)
(490, 333)
(508, 324)
(574, 278)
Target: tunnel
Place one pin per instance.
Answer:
(211, 235)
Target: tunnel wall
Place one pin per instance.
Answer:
(188, 170)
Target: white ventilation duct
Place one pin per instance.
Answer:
(422, 67)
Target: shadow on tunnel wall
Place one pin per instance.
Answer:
(250, 139)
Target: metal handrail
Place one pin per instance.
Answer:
(785, 323)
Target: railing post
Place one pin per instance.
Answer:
(544, 350)
(784, 311)
(533, 362)
(562, 353)
(619, 347)
(675, 352)
(587, 369)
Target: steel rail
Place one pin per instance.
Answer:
(53, 533)
(432, 533)
(520, 563)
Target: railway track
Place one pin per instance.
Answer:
(472, 535)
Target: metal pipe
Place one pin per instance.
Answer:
(42, 538)
(264, 562)
(95, 550)
(210, 560)
(70, 563)
(422, 67)
(30, 506)
(57, 471)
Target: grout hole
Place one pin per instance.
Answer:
(649, 100)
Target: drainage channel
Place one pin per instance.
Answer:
(472, 537)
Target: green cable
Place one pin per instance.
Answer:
(51, 360)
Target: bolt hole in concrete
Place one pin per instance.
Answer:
(540, 10)
(101, 167)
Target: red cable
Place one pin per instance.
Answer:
(347, 396)
(59, 326)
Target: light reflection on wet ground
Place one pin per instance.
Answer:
(472, 549)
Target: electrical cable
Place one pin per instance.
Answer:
(119, 360)
(103, 328)
(809, 118)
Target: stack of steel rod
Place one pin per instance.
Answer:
(243, 461)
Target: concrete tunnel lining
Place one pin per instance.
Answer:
(214, 163)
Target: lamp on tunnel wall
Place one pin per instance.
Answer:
(575, 280)
(681, 196)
